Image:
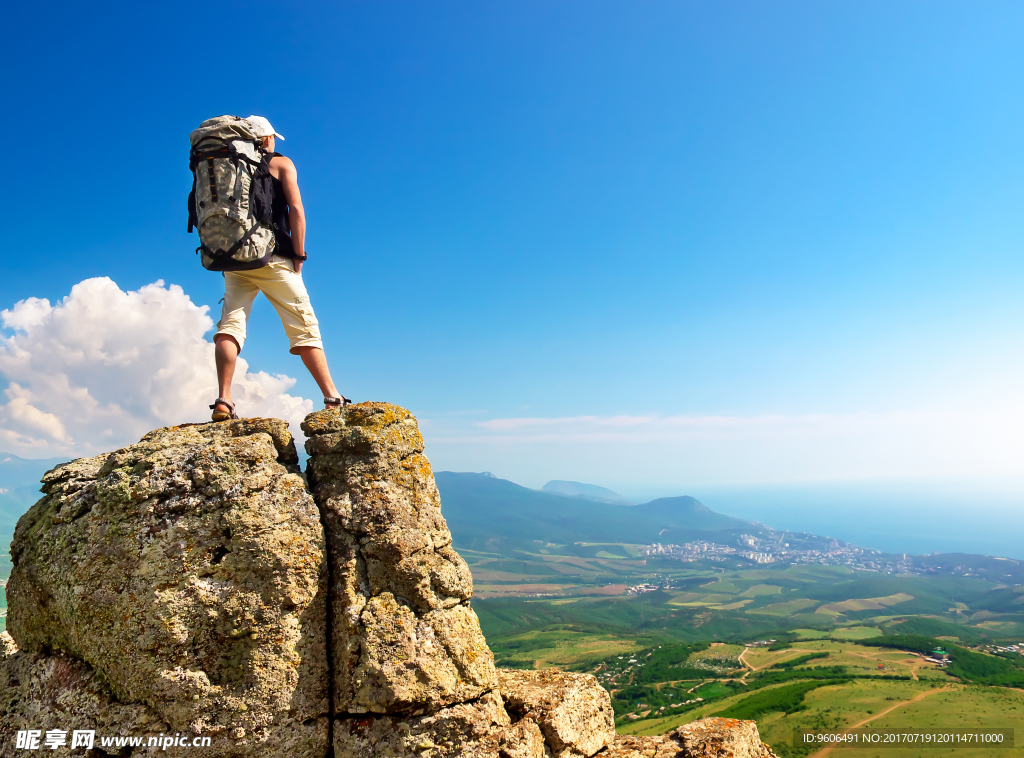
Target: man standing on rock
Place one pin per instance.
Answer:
(280, 280)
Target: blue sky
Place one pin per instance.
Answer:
(527, 219)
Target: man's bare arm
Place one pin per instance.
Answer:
(284, 170)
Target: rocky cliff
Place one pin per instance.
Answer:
(194, 586)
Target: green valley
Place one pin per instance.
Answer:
(827, 638)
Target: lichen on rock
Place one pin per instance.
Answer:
(710, 737)
(188, 572)
(404, 638)
(56, 691)
(469, 729)
(572, 710)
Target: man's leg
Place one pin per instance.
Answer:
(239, 294)
(316, 362)
(287, 293)
(226, 352)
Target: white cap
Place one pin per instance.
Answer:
(262, 127)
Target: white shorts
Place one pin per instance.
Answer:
(286, 292)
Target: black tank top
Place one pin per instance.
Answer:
(279, 217)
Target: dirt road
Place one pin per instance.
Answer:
(920, 696)
(752, 668)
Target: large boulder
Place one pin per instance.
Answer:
(54, 691)
(404, 638)
(572, 710)
(632, 746)
(706, 738)
(716, 737)
(532, 714)
(188, 572)
(466, 729)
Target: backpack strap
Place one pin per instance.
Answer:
(193, 213)
(213, 179)
(217, 150)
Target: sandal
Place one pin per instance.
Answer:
(223, 415)
(336, 402)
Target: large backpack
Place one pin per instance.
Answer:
(232, 194)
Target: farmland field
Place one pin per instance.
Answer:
(923, 704)
(730, 600)
(562, 647)
(676, 653)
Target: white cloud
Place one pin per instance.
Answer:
(102, 367)
(969, 431)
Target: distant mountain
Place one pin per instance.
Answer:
(585, 492)
(483, 511)
(19, 487)
(19, 472)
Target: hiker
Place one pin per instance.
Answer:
(254, 232)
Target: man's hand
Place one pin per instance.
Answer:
(298, 265)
